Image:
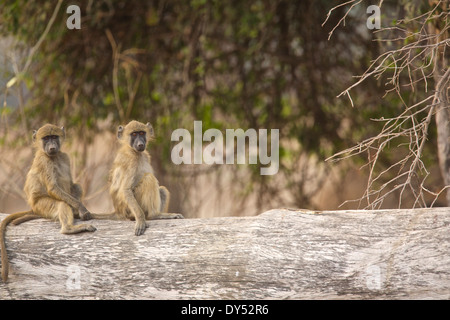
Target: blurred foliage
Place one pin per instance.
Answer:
(232, 64)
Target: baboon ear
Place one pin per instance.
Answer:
(150, 128)
(120, 132)
(34, 135)
(63, 132)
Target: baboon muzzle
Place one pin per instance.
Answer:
(52, 148)
(139, 143)
(140, 146)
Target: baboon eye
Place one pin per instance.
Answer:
(46, 138)
(134, 134)
(142, 133)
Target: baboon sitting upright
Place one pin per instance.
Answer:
(49, 188)
(134, 189)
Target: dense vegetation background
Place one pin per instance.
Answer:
(231, 64)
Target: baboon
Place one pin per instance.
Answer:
(49, 189)
(134, 189)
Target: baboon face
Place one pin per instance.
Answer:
(51, 145)
(49, 137)
(135, 135)
(138, 140)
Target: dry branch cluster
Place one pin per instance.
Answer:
(415, 54)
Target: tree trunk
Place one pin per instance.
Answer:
(443, 128)
(442, 82)
(280, 254)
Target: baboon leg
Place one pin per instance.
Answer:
(76, 191)
(165, 198)
(148, 197)
(164, 194)
(152, 198)
(66, 218)
(46, 207)
(167, 216)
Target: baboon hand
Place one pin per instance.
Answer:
(140, 227)
(84, 213)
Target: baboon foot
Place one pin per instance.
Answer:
(169, 216)
(78, 228)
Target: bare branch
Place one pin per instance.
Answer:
(405, 68)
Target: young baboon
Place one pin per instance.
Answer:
(49, 189)
(134, 189)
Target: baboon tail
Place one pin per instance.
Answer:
(3, 225)
(25, 218)
(105, 216)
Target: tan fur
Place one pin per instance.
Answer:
(49, 130)
(50, 190)
(133, 126)
(25, 218)
(4, 224)
(134, 189)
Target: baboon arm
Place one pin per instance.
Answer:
(133, 205)
(59, 194)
